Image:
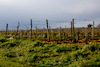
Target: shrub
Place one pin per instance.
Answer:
(37, 43)
(3, 40)
(12, 44)
(17, 41)
(75, 47)
(30, 50)
(52, 44)
(4, 44)
(40, 37)
(66, 60)
(76, 54)
(85, 48)
(65, 48)
(7, 36)
(85, 54)
(10, 54)
(48, 46)
(94, 62)
(33, 58)
(9, 44)
(93, 47)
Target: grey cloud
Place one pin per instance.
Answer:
(47, 9)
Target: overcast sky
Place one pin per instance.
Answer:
(12, 11)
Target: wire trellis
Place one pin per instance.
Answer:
(52, 23)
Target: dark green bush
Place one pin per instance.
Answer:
(75, 47)
(33, 58)
(17, 41)
(85, 48)
(63, 48)
(30, 50)
(4, 44)
(91, 63)
(7, 36)
(3, 40)
(93, 47)
(10, 54)
(66, 60)
(40, 37)
(12, 44)
(52, 44)
(85, 54)
(76, 54)
(66, 48)
(8, 44)
(37, 43)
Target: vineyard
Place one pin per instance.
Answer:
(73, 33)
(60, 47)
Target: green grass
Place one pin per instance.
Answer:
(28, 53)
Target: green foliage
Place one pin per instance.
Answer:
(2, 40)
(40, 37)
(7, 36)
(85, 48)
(12, 44)
(37, 43)
(65, 61)
(66, 48)
(25, 52)
(63, 48)
(93, 62)
(11, 54)
(33, 58)
(9, 44)
(93, 47)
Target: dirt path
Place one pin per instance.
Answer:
(79, 42)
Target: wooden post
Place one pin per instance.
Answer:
(31, 27)
(60, 32)
(93, 30)
(18, 27)
(35, 31)
(19, 32)
(53, 34)
(65, 33)
(6, 29)
(86, 32)
(44, 32)
(22, 34)
(71, 30)
(26, 33)
(47, 30)
(77, 34)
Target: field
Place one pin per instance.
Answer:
(26, 52)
